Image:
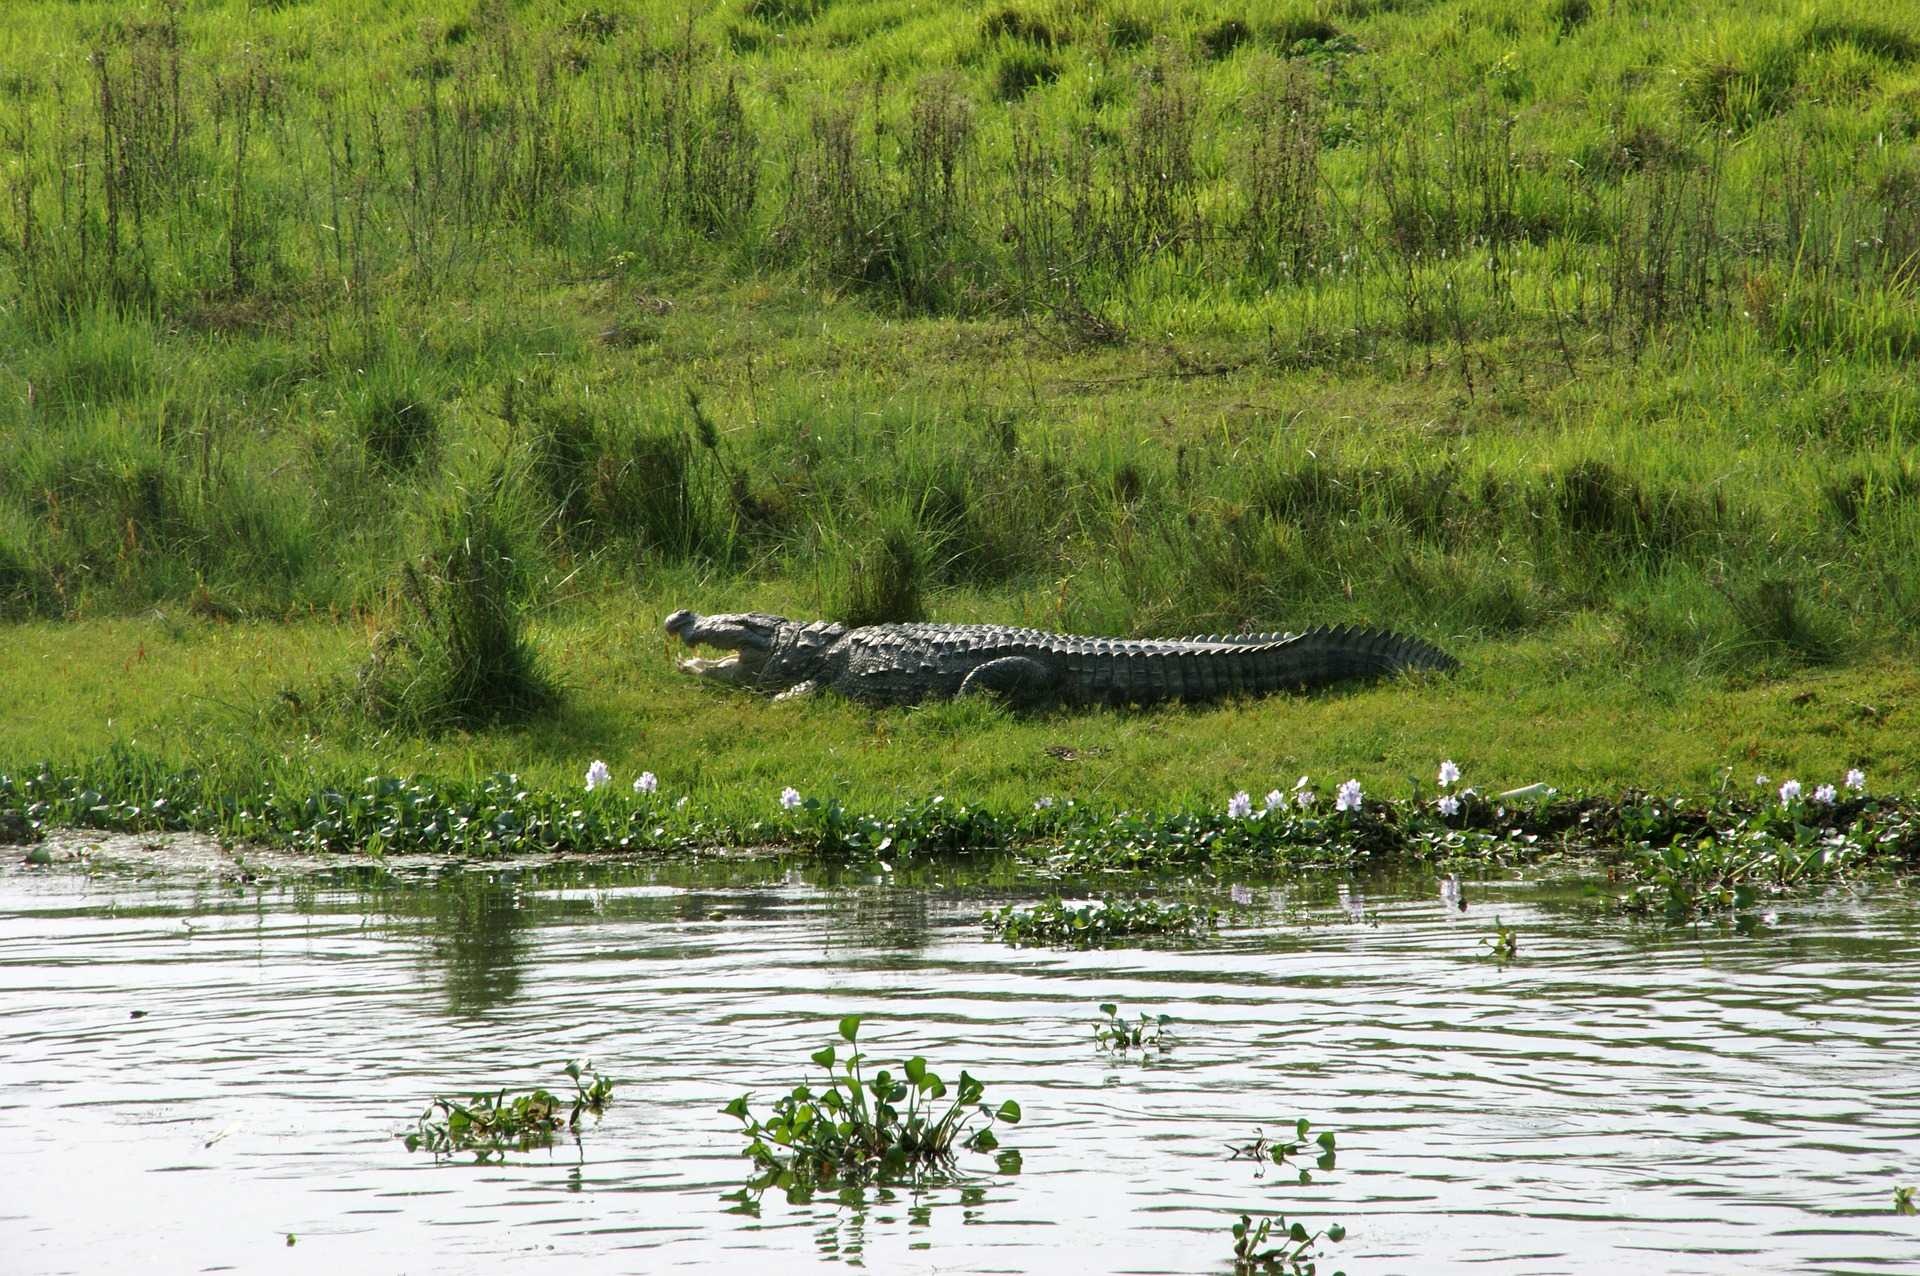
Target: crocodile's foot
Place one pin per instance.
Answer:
(747, 635)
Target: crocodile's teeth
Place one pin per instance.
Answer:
(723, 669)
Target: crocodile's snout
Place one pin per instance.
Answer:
(681, 621)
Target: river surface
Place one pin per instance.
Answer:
(192, 1071)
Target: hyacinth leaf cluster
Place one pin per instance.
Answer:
(1093, 923)
(1288, 1150)
(490, 1125)
(859, 1126)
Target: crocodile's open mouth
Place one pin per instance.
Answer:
(747, 636)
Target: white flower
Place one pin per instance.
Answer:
(680, 803)
(1825, 795)
(1857, 780)
(1789, 792)
(1043, 804)
(1304, 798)
(1449, 773)
(1240, 807)
(1299, 784)
(647, 783)
(789, 798)
(1349, 797)
(1276, 799)
(1761, 781)
(1448, 804)
(597, 775)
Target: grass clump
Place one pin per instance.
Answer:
(884, 583)
(854, 1129)
(492, 1125)
(457, 654)
(1097, 922)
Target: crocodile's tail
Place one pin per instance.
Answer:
(1337, 653)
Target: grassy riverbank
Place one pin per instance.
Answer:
(1576, 337)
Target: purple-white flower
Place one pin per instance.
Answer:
(1857, 780)
(1276, 799)
(1240, 806)
(1043, 804)
(1789, 792)
(789, 798)
(1761, 781)
(1449, 773)
(1349, 797)
(647, 783)
(1448, 804)
(597, 775)
(1825, 795)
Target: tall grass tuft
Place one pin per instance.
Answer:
(883, 582)
(455, 652)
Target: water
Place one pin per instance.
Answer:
(1620, 1098)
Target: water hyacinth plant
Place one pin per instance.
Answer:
(1504, 944)
(647, 783)
(1098, 921)
(1148, 1032)
(855, 1129)
(1349, 797)
(598, 776)
(1286, 1152)
(1295, 1251)
(491, 1125)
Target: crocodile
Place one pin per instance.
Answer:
(908, 663)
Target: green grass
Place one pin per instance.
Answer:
(1566, 711)
(1577, 338)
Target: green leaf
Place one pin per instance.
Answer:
(1297, 1232)
(850, 1027)
(738, 1108)
(1109, 1009)
(1008, 1162)
(915, 1069)
(1326, 1140)
(824, 1056)
(1009, 1112)
(1301, 1127)
(1337, 1232)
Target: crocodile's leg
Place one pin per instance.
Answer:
(799, 690)
(1020, 679)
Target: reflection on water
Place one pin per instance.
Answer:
(1619, 1098)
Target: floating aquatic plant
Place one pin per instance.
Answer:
(1295, 1249)
(856, 1129)
(491, 1125)
(1148, 1032)
(1098, 921)
(1286, 1152)
(1504, 943)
